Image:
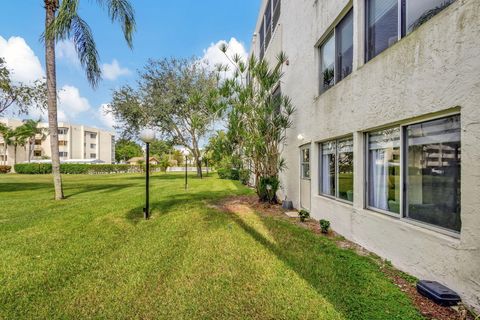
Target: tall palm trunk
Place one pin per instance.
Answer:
(50, 8)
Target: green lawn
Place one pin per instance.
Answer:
(93, 256)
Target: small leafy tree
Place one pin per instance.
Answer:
(22, 96)
(165, 162)
(179, 97)
(161, 148)
(258, 119)
(127, 149)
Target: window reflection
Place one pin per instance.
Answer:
(433, 180)
(384, 170)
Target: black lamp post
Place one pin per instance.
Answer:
(200, 162)
(186, 176)
(147, 136)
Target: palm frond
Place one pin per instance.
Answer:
(86, 49)
(122, 12)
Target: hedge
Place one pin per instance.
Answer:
(234, 174)
(5, 169)
(73, 168)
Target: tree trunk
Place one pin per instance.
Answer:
(50, 8)
(199, 167)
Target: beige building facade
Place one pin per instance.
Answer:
(386, 135)
(76, 142)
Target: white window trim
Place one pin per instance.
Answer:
(320, 173)
(302, 148)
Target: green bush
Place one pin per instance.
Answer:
(244, 176)
(324, 225)
(304, 215)
(33, 168)
(5, 169)
(74, 168)
(223, 173)
(267, 189)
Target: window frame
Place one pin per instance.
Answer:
(401, 24)
(401, 216)
(337, 177)
(328, 35)
(269, 26)
(302, 163)
(94, 156)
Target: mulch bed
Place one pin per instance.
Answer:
(427, 307)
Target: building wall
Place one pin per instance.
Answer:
(431, 72)
(78, 143)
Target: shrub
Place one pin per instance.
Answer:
(75, 168)
(324, 226)
(223, 173)
(33, 168)
(244, 176)
(267, 189)
(5, 169)
(304, 215)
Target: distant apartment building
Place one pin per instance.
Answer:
(385, 140)
(76, 142)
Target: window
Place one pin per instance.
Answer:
(62, 130)
(3, 157)
(63, 154)
(418, 12)
(38, 142)
(383, 17)
(382, 25)
(269, 24)
(262, 39)
(384, 170)
(336, 53)
(37, 153)
(62, 143)
(328, 168)
(93, 155)
(430, 170)
(93, 135)
(305, 163)
(93, 145)
(327, 52)
(433, 179)
(337, 169)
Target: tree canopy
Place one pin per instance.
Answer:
(178, 97)
(20, 95)
(127, 149)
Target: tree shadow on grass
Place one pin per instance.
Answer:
(354, 285)
(23, 186)
(169, 203)
(97, 188)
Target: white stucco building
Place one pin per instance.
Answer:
(386, 136)
(76, 142)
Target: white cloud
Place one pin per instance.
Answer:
(111, 71)
(65, 50)
(213, 55)
(71, 103)
(22, 62)
(105, 116)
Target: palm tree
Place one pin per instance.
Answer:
(28, 132)
(7, 135)
(63, 22)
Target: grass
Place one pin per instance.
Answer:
(93, 256)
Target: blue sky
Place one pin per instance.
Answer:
(164, 28)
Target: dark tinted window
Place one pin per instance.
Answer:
(382, 26)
